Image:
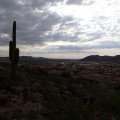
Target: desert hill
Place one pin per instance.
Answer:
(97, 58)
(60, 91)
(91, 58)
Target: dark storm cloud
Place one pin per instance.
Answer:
(9, 5)
(34, 33)
(74, 2)
(33, 20)
(80, 2)
(43, 3)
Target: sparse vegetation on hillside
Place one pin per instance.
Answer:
(44, 92)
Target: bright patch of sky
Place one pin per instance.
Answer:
(99, 21)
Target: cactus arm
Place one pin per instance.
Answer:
(14, 34)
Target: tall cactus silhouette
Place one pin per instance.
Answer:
(13, 52)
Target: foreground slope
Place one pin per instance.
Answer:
(61, 91)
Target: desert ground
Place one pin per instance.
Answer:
(60, 91)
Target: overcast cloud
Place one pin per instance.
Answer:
(56, 28)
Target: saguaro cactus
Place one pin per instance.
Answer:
(13, 52)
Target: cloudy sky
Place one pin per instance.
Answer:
(61, 28)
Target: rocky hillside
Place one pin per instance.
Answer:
(97, 58)
(60, 91)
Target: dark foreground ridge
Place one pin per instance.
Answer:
(60, 91)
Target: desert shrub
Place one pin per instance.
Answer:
(117, 87)
(31, 115)
(16, 113)
(3, 101)
(4, 116)
(66, 74)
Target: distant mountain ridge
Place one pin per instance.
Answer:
(41, 59)
(36, 59)
(91, 58)
(97, 58)
(30, 58)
